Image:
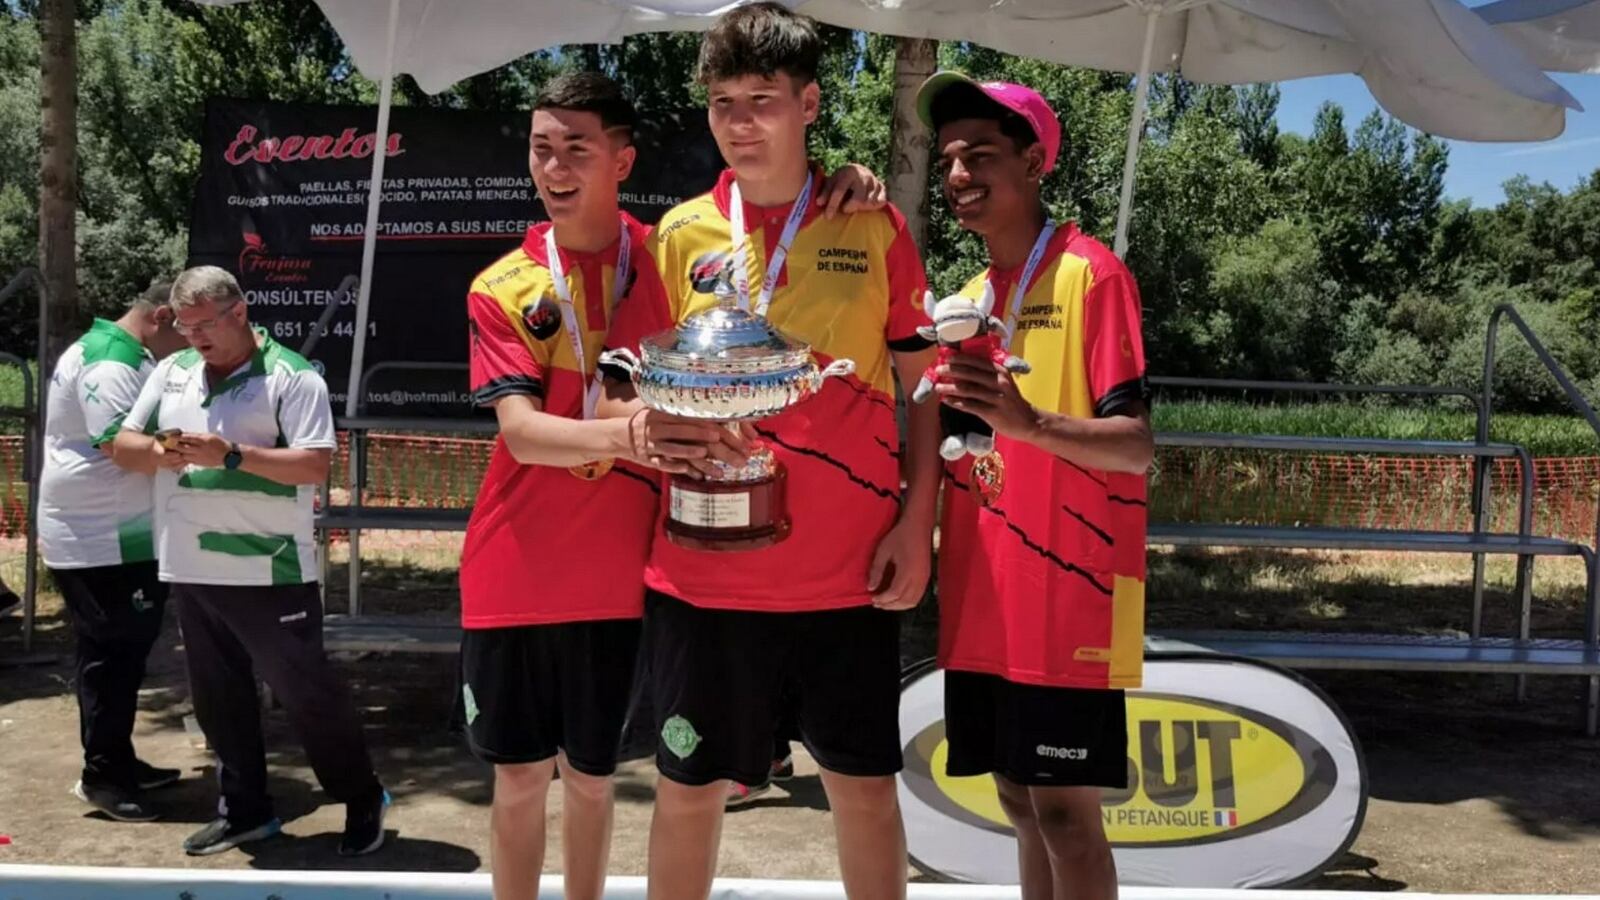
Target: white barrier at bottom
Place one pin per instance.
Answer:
(19, 882)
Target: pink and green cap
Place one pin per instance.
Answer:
(1022, 100)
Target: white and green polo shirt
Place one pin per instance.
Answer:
(221, 526)
(92, 513)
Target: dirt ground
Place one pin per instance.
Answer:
(1470, 790)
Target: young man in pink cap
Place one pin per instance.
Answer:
(1041, 577)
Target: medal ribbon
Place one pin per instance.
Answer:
(569, 314)
(741, 277)
(1036, 256)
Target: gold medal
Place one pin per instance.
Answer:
(988, 478)
(592, 471)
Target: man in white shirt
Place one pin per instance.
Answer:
(94, 535)
(248, 434)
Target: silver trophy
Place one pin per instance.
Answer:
(726, 365)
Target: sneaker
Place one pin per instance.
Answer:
(222, 835)
(148, 777)
(8, 602)
(363, 826)
(782, 769)
(740, 794)
(117, 804)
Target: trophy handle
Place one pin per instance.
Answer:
(624, 359)
(836, 368)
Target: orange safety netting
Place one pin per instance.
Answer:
(1421, 493)
(13, 488)
(1188, 485)
(414, 470)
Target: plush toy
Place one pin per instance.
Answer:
(963, 325)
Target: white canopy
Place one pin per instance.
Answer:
(1555, 35)
(1434, 64)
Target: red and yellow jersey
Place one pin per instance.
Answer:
(851, 288)
(1046, 585)
(544, 546)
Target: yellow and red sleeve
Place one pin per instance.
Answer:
(503, 359)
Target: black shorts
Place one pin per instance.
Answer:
(724, 680)
(530, 690)
(1035, 736)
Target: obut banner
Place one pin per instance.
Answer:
(281, 203)
(1240, 774)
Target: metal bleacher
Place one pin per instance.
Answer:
(353, 630)
(1518, 654)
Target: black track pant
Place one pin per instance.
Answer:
(234, 634)
(116, 616)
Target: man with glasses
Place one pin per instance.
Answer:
(241, 430)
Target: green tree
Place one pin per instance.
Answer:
(19, 173)
(657, 70)
(284, 51)
(1521, 381)
(1266, 321)
(857, 81)
(1196, 192)
(1257, 109)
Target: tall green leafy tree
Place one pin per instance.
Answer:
(19, 170)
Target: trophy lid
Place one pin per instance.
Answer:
(725, 333)
(725, 336)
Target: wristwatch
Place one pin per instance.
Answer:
(233, 458)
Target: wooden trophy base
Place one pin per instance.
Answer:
(723, 516)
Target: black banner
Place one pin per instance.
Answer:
(281, 203)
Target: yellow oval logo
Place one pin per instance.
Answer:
(1198, 771)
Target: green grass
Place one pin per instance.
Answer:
(11, 397)
(1543, 435)
(10, 386)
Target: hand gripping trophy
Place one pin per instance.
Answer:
(727, 365)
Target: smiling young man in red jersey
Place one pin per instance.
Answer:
(1041, 577)
(732, 635)
(552, 568)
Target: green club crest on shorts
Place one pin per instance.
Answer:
(470, 702)
(680, 737)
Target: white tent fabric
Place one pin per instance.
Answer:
(1555, 35)
(1434, 64)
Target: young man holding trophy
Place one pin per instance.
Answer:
(551, 604)
(1041, 578)
(776, 574)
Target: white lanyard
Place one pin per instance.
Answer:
(569, 315)
(1014, 308)
(741, 278)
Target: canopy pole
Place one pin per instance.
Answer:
(369, 248)
(1130, 161)
(369, 238)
